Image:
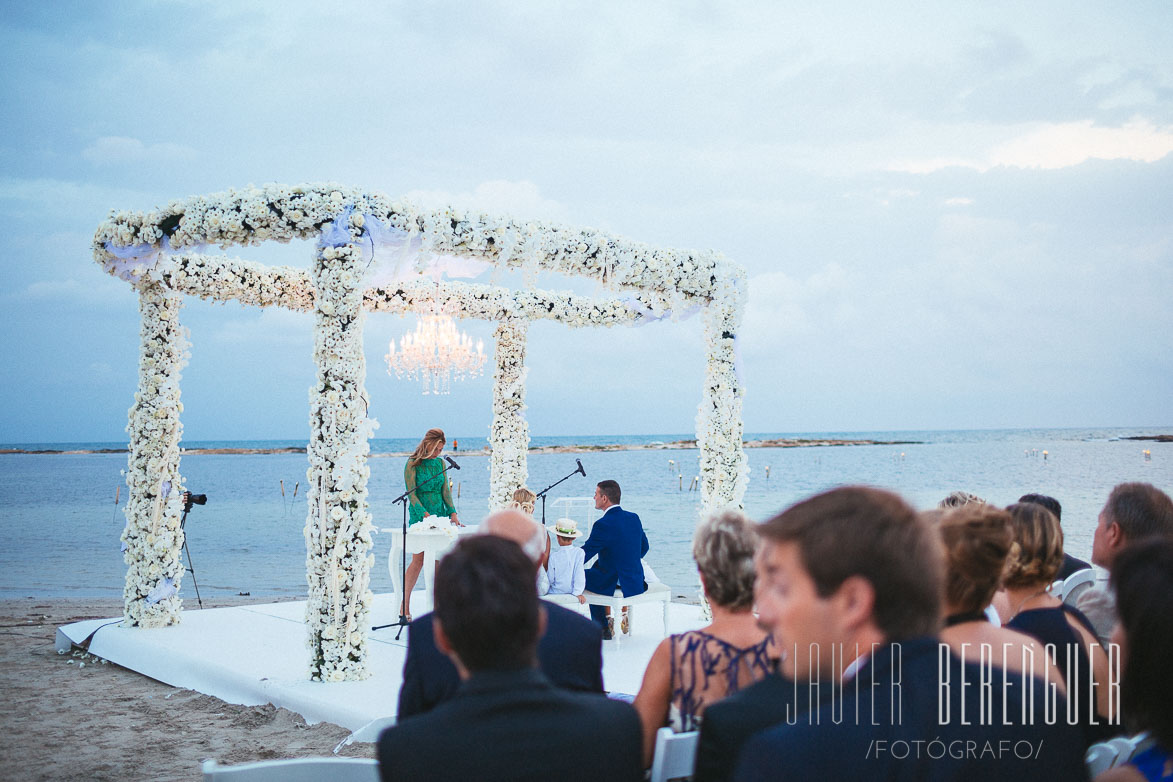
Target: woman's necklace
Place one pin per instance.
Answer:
(1026, 600)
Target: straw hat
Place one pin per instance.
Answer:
(567, 528)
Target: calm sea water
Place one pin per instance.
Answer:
(60, 528)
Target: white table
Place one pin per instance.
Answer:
(433, 543)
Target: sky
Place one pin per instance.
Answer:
(952, 216)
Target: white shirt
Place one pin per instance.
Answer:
(566, 572)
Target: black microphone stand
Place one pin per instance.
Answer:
(403, 500)
(187, 505)
(542, 494)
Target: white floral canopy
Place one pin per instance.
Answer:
(378, 254)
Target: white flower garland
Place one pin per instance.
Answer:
(163, 250)
(152, 538)
(338, 526)
(509, 432)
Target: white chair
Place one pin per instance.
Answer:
(675, 755)
(1128, 747)
(1076, 584)
(1099, 758)
(1056, 589)
(295, 770)
(656, 593)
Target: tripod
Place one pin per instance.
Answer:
(579, 470)
(403, 500)
(187, 505)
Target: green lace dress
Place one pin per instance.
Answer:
(433, 496)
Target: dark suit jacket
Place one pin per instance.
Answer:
(899, 690)
(731, 721)
(570, 654)
(619, 540)
(1070, 566)
(515, 725)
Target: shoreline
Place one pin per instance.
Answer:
(675, 445)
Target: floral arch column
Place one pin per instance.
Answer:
(153, 538)
(509, 432)
(338, 525)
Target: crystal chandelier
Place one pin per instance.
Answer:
(434, 352)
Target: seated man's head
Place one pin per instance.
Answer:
(1134, 511)
(1050, 503)
(607, 493)
(723, 548)
(977, 541)
(518, 527)
(487, 616)
(843, 570)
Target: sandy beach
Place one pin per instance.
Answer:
(73, 716)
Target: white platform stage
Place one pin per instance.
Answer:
(257, 654)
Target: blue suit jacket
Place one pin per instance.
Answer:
(884, 731)
(619, 540)
(570, 654)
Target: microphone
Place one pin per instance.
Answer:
(580, 469)
(451, 463)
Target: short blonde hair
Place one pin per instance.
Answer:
(1038, 545)
(723, 548)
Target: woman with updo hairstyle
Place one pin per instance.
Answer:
(977, 542)
(1142, 578)
(1063, 630)
(690, 670)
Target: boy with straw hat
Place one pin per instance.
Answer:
(565, 567)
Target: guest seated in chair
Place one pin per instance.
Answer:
(851, 582)
(1143, 581)
(619, 540)
(691, 670)
(570, 653)
(977, 541)
(507, 721)
(1063, 629)
(1071, 565)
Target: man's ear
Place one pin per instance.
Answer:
(856, 601)
(542, 620)
(1115, 536)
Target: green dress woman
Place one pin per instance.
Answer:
(430, 496)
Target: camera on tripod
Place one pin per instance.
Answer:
(190, 499)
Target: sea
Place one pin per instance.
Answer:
(60, 524)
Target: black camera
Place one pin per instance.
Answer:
(190, 499)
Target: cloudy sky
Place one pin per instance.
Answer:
(952, 215)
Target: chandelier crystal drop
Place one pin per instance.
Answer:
(434, 352)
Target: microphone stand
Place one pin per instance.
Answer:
(542, 494)
(403, 500)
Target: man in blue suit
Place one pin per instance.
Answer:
(619, 540)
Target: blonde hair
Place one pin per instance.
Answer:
(426, 446)
(524, 500)
(1038, 545)
(977, 542)
(723, 548)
